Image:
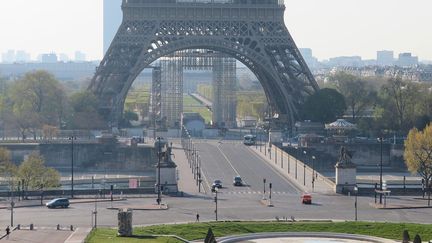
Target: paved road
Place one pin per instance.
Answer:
(225, 160)
(222, 161)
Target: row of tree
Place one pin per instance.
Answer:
(32, 174)
(38, 102)
(376, 105)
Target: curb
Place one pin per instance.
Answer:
(243, 238)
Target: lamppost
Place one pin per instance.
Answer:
(380, 139)
(216, 202)
(304, 168)
(72, 138)
(270, 194)
(159, 200)
(296, 162)
(355, 203)
(313, 172)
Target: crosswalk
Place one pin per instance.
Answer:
(253, 192)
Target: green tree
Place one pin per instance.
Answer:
(85, 111)
(396, 108)
(359, 95)
(8, 170)
(36, 176)
(37, 99)
(418, 154)
(326, 105)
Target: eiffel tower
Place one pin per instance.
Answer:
(251, 31)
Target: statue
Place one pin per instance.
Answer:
(345, 156)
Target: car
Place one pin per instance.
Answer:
(306, 198)
(238, 181)
(58, 203)
(217, 183)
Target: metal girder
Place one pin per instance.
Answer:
(253, 32)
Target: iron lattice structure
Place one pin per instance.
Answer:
(167, 87)
(251, 31)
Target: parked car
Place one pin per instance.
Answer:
(306, 198)
(58, 203)
(217, 183)
(238, 181)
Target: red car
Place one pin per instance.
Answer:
(306, 198)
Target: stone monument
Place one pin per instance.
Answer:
(346, 172)
(168, 169)
(125, 227)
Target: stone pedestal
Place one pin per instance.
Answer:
(125, 227)
(168, 169)
(346, 177)
(168, 174)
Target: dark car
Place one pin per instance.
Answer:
(238, 181)
(58, 203)
(217, 183)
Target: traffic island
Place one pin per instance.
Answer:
(397, 206)
(142, 207)
(266, 203)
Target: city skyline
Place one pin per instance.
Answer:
(65, 27)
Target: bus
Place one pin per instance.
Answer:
(249, 140)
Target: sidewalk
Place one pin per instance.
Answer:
(186, 183)
(43, 235)
(36, 203)
(286, 165)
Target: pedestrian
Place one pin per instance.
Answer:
(7, 232)
(197, 217)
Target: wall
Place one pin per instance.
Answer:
(88, 156)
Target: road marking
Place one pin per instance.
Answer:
(276, 171)
(229, 162)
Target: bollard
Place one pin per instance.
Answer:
(31, 226)
(58, 227)
(18, 227)
(71, 228)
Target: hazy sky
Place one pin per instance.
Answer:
(329, 27)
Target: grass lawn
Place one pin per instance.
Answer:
(189, 101)
(199, 230)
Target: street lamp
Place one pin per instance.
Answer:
(313, 172)
(159, 199)
(355, 203)
(380, 139)
(296, 162)
(304, 169)
(72, 138)
(216, 202)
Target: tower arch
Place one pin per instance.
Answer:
(251, 32)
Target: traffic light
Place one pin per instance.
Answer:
(270, 185)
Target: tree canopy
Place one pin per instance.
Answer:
(35, 100)
(359, 94)
(418, 152)
(35, 175)
(326, 105)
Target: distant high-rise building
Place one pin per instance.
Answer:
(80, 57)
(112, 19)
(307, 54)
(8, 57)
(407, 60)
(353, 61)
(49, 58)
(385, 58)
(22, 56)
(63, 57)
